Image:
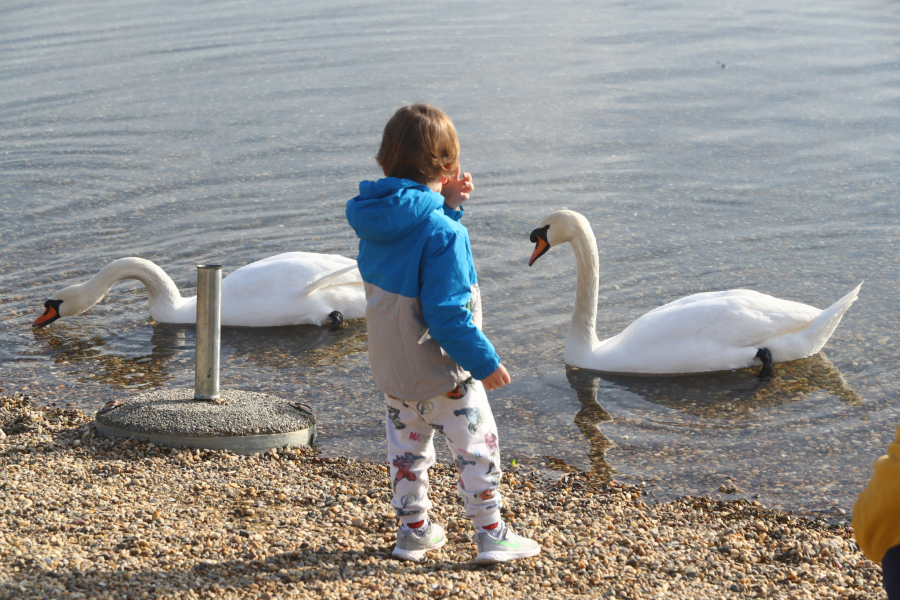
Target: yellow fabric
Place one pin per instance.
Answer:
(876, 514)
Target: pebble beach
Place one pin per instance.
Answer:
(86, 517)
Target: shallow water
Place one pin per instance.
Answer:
(711, 147)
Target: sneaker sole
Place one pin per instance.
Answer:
(416, 555)
(489, 558)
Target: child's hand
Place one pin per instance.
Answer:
(457, 189)
(496, 380)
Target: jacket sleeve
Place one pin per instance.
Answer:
(445, 295)
(454, 213)
(876, 514)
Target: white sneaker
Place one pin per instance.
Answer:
(503, 546)
(413, 547)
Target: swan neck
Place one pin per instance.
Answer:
(163, 294)
(583, 328)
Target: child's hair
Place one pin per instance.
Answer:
(419, 143)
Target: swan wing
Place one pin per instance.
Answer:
(349, 274)
(711, 332)
(278, 290)
(283, 276)
(731, 319)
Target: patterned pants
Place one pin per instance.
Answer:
(464, 417)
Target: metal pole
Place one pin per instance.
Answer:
(209, 323)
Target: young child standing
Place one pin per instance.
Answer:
(428, 354)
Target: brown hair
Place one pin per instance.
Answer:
(419, 143)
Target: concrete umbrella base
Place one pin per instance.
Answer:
(245, 423)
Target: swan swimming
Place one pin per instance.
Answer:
(293, 288)
(712, 331)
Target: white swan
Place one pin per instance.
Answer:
(288, 289)
(713, 331)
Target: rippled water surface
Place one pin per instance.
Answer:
(711, 146)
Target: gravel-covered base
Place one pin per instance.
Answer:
(85, 517)
(173, 411)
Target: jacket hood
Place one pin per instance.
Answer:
(390, 208)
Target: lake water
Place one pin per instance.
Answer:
(711, 146)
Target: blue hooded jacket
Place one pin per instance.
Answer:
(423, 308)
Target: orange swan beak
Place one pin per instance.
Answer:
(541, 245)
(50, 314)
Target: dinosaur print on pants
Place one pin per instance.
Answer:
(395, 417)
(490, 440)
(404, 463)
(474, 416)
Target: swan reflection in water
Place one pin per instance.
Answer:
(590, 417)
(112, 358)
(120, 359)
(708, 399)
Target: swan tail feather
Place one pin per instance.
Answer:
(844, 303)
(809, 339)
(821, 328)
(345, 275)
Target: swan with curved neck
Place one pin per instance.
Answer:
(288, 289)
(712, 331)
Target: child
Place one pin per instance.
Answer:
(424, 324)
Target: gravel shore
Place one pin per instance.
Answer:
(86, 517)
